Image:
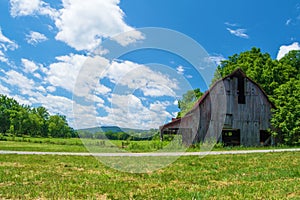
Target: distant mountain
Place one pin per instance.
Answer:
(114, 129)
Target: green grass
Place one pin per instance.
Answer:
(94, 145)
(77, 145)
(255, 176)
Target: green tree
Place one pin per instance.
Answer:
(6, 105)
(188, 100)
(42, 116)
(58, 126)
(286, 118)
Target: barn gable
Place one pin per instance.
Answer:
(235, 105)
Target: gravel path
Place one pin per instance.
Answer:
(156, 154)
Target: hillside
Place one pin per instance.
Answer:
(114, 129)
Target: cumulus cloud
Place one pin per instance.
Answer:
(31, 7)
(29, 66)
(123, 107)
(64, 72)
(84, 24)
(241, 33)
(136, 76)
(128, 111)
(284, 49)
(34, 38)
(79, 75)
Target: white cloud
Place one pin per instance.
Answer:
(128, 37)
(80, 75)
(64, 72)
(129, 111)
(175, 103)
(37, 75)
(284, 49)
(180, 70)
(57, 104)
(288, 22)
(87, 80)
(239, 32)
(51, 89)
(6, 43)
(41, 89)
(31, 7)
(136, 76)
(24, 7)
(29, 66)
(25, 85)
(34, 38)
(101, 89)
(83, 24)
(3, 58)
(85, 116)
(4, 90)
(217, 58)
(231, 24)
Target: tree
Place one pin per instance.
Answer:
(6, 105)
(286, 119)
(21, 120)
(188, 100)
(43, 116)
(58, 126)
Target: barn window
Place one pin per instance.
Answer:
(241, 91)
(231, 137)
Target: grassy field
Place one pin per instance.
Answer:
(94, 145)
(255, 176)
(77, 145)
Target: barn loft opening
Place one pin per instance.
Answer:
(231, 137)
(241, 90)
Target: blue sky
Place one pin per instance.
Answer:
(62, 54)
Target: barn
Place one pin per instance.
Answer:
(234, 111)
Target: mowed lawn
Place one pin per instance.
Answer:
(252, 176)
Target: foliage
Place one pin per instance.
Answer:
(287, 117)
(21, 120)
(279, 79)
(188, 100)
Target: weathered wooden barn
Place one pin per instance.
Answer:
(235, 111)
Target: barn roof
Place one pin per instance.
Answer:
(236, 73)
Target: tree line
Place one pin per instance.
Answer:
(20, 120)
(130, 136)
(280, 79)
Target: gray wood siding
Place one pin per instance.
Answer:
(221, 109)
